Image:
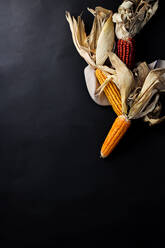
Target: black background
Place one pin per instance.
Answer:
(54, 188)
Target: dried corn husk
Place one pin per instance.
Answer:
(146, 102)
(132, 16)
(101, 15)
(124, 79)
(105, 41)
(80, 38)
(95, 47)
(154, 117)
(153, 121)
(141, 73)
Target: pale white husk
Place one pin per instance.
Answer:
(92, 86)
(106, 37)
(132, 16)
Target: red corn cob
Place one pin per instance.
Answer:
(126, 51)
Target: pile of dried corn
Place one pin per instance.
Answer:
(132, 93)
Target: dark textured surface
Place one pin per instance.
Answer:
(54, 188)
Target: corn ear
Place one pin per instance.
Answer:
(118, 129)
(111, 92)
(126, 51)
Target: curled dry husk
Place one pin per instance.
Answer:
(132, 16)
(144, 100)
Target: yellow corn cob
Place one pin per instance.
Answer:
(111, 92)
(118, 129)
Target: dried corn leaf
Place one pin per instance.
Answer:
(94, 34)
(82, 37)
(79, 38)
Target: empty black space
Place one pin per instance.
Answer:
(55, 190)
